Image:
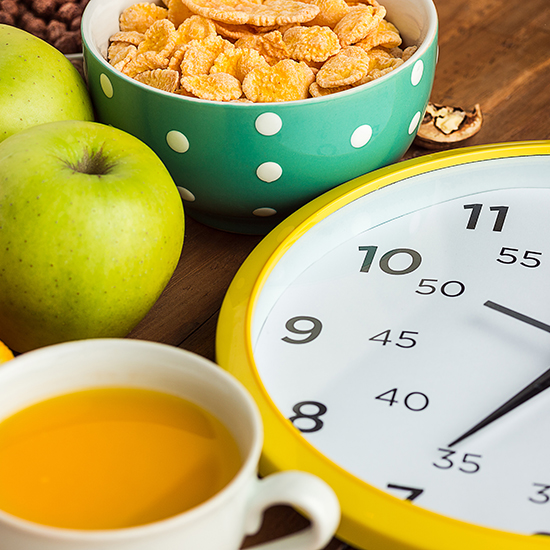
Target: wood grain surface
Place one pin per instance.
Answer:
(493, 53)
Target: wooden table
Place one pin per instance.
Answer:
(493, 53)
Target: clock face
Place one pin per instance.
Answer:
(403, 319)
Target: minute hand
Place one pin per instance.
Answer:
(538, 385)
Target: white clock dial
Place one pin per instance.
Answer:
(402, 320)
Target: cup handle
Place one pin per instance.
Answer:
(312, 496)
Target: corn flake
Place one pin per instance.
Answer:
(118, 51)
(162, 79)
(386, 36)
(270, 45)
(178, 12)
(130, 37)
(145, 61)
(200, 55)
(238, 62)
(176, 58)
(330, 12)
(358, 23)
(195, 27)
(317, 91)
(234, 32)
(348, 66)
(242, 12)
(120, 54)
(214, 87)
(408, 52)
(160, 37)
(288, 80)
(311, 43)
(139, 17)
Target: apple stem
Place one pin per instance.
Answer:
(94, 163)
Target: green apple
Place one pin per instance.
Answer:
(91, 230)
(38, 84)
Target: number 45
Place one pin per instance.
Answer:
(405, 341)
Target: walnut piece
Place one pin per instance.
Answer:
(444, 126)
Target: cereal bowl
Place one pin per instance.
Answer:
(244, 167)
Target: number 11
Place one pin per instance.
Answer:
(476, 211)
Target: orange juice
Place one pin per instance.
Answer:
(111, 458)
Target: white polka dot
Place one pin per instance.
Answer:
(414, 122)
(185, 194)
(269, 171)
(418, 70)
(177, 141)
(268, 124)
(264, 212)
(361, 136)
(106, 85)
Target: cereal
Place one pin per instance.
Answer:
(317, 91)
(358, 23)
(195, 27)
(178, 12)
(330, 12)
(144, 62)
(215, 87)
(256, 50)
(176, 58)
(377, 72)
(271, 45)
(160, 37)
(408, 52)
(139, 17)
(234, 32)
(288, 80)
(311, 43)
(201, 54)
(384, 36)
(242, 12)
(238, 62)
(130, 37)
(163, 79)
(346, 67)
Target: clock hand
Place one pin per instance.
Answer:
(516, 315)
(538, 385)
(534, 388)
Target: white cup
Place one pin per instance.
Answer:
(220, 523)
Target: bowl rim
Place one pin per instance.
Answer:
(89, 47)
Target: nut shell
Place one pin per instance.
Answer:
(444, 126)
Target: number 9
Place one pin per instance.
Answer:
(313, 332)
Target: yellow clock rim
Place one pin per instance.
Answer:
(371, 518)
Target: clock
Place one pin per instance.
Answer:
(395, 334)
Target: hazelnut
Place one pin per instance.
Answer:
(6, 18)
(56, 29)
(44, 8)
(75, 23)
(444, 126)
(11, 7)
(69, 43)
(34, 25)
(68, 11)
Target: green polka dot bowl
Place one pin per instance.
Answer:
(244, 167)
